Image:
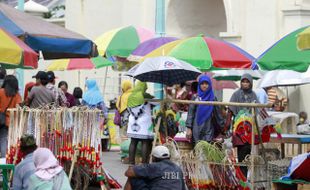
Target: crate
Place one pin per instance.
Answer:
(278, 168)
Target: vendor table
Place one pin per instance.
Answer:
(290, 139)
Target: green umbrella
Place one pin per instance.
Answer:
(121, 42)
(284, 55)
(205, 53)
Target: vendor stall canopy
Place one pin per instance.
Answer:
(285, 55)
(52, 40)
(14, 53)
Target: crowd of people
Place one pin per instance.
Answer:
(203, 123)
(40, 169)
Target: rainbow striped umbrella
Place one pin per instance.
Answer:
(79, 64)
(16, 54)
(121, 42)
(206, 53)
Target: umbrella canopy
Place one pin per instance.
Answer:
(303, 39)
(283, 78)
(16, 54)
(205, 53)
(236, 74)
(79, 64)
(122, 41)
(285, 55)
(148, 46)
(52, 40)
(221, 84)
(165, 70)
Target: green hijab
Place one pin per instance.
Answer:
(136, 97)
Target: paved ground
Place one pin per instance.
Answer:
(112, 163)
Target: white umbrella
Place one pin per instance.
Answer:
(283, 78)
(165, 70)
(235, 74)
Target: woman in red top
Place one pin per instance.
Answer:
(9, 98)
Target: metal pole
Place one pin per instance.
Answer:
(20, 72)
(160, 29)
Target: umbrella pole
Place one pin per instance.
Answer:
(105, 78)
(287, 100)
(79, 77)
(252, 152)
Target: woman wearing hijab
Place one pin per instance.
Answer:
(204, 122)
(49, 175)
(243, 95)
(93, 98)
(122, 102)
(140, 127)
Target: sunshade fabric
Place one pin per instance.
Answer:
(205, 53)
(122, 41)
(285, 55)
(54, 41)
(165, 70)
(79, 64)
(16, 54)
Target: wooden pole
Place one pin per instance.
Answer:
(76, 152)
(155, 135)
(253, 105)
(252, 150)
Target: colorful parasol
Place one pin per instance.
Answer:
(52, 40)
(221, 84)
(284, 55)
(148, 46)
(303, 39)
(205, 53)
(236, 74)
(121, 42)
(79, 64)
(16, 54)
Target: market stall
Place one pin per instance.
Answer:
(72, 134)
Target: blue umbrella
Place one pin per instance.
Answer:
(52, 40)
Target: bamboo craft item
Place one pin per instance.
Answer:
(72, 134)
(206, 178)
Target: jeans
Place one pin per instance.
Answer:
(3, 140)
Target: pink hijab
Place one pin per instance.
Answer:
(46, 164)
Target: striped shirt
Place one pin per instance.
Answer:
(22, 172)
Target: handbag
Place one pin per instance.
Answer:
(117, 115)
(3, 114)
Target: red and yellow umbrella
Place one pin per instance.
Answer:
(16, 54)
(79, 64)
